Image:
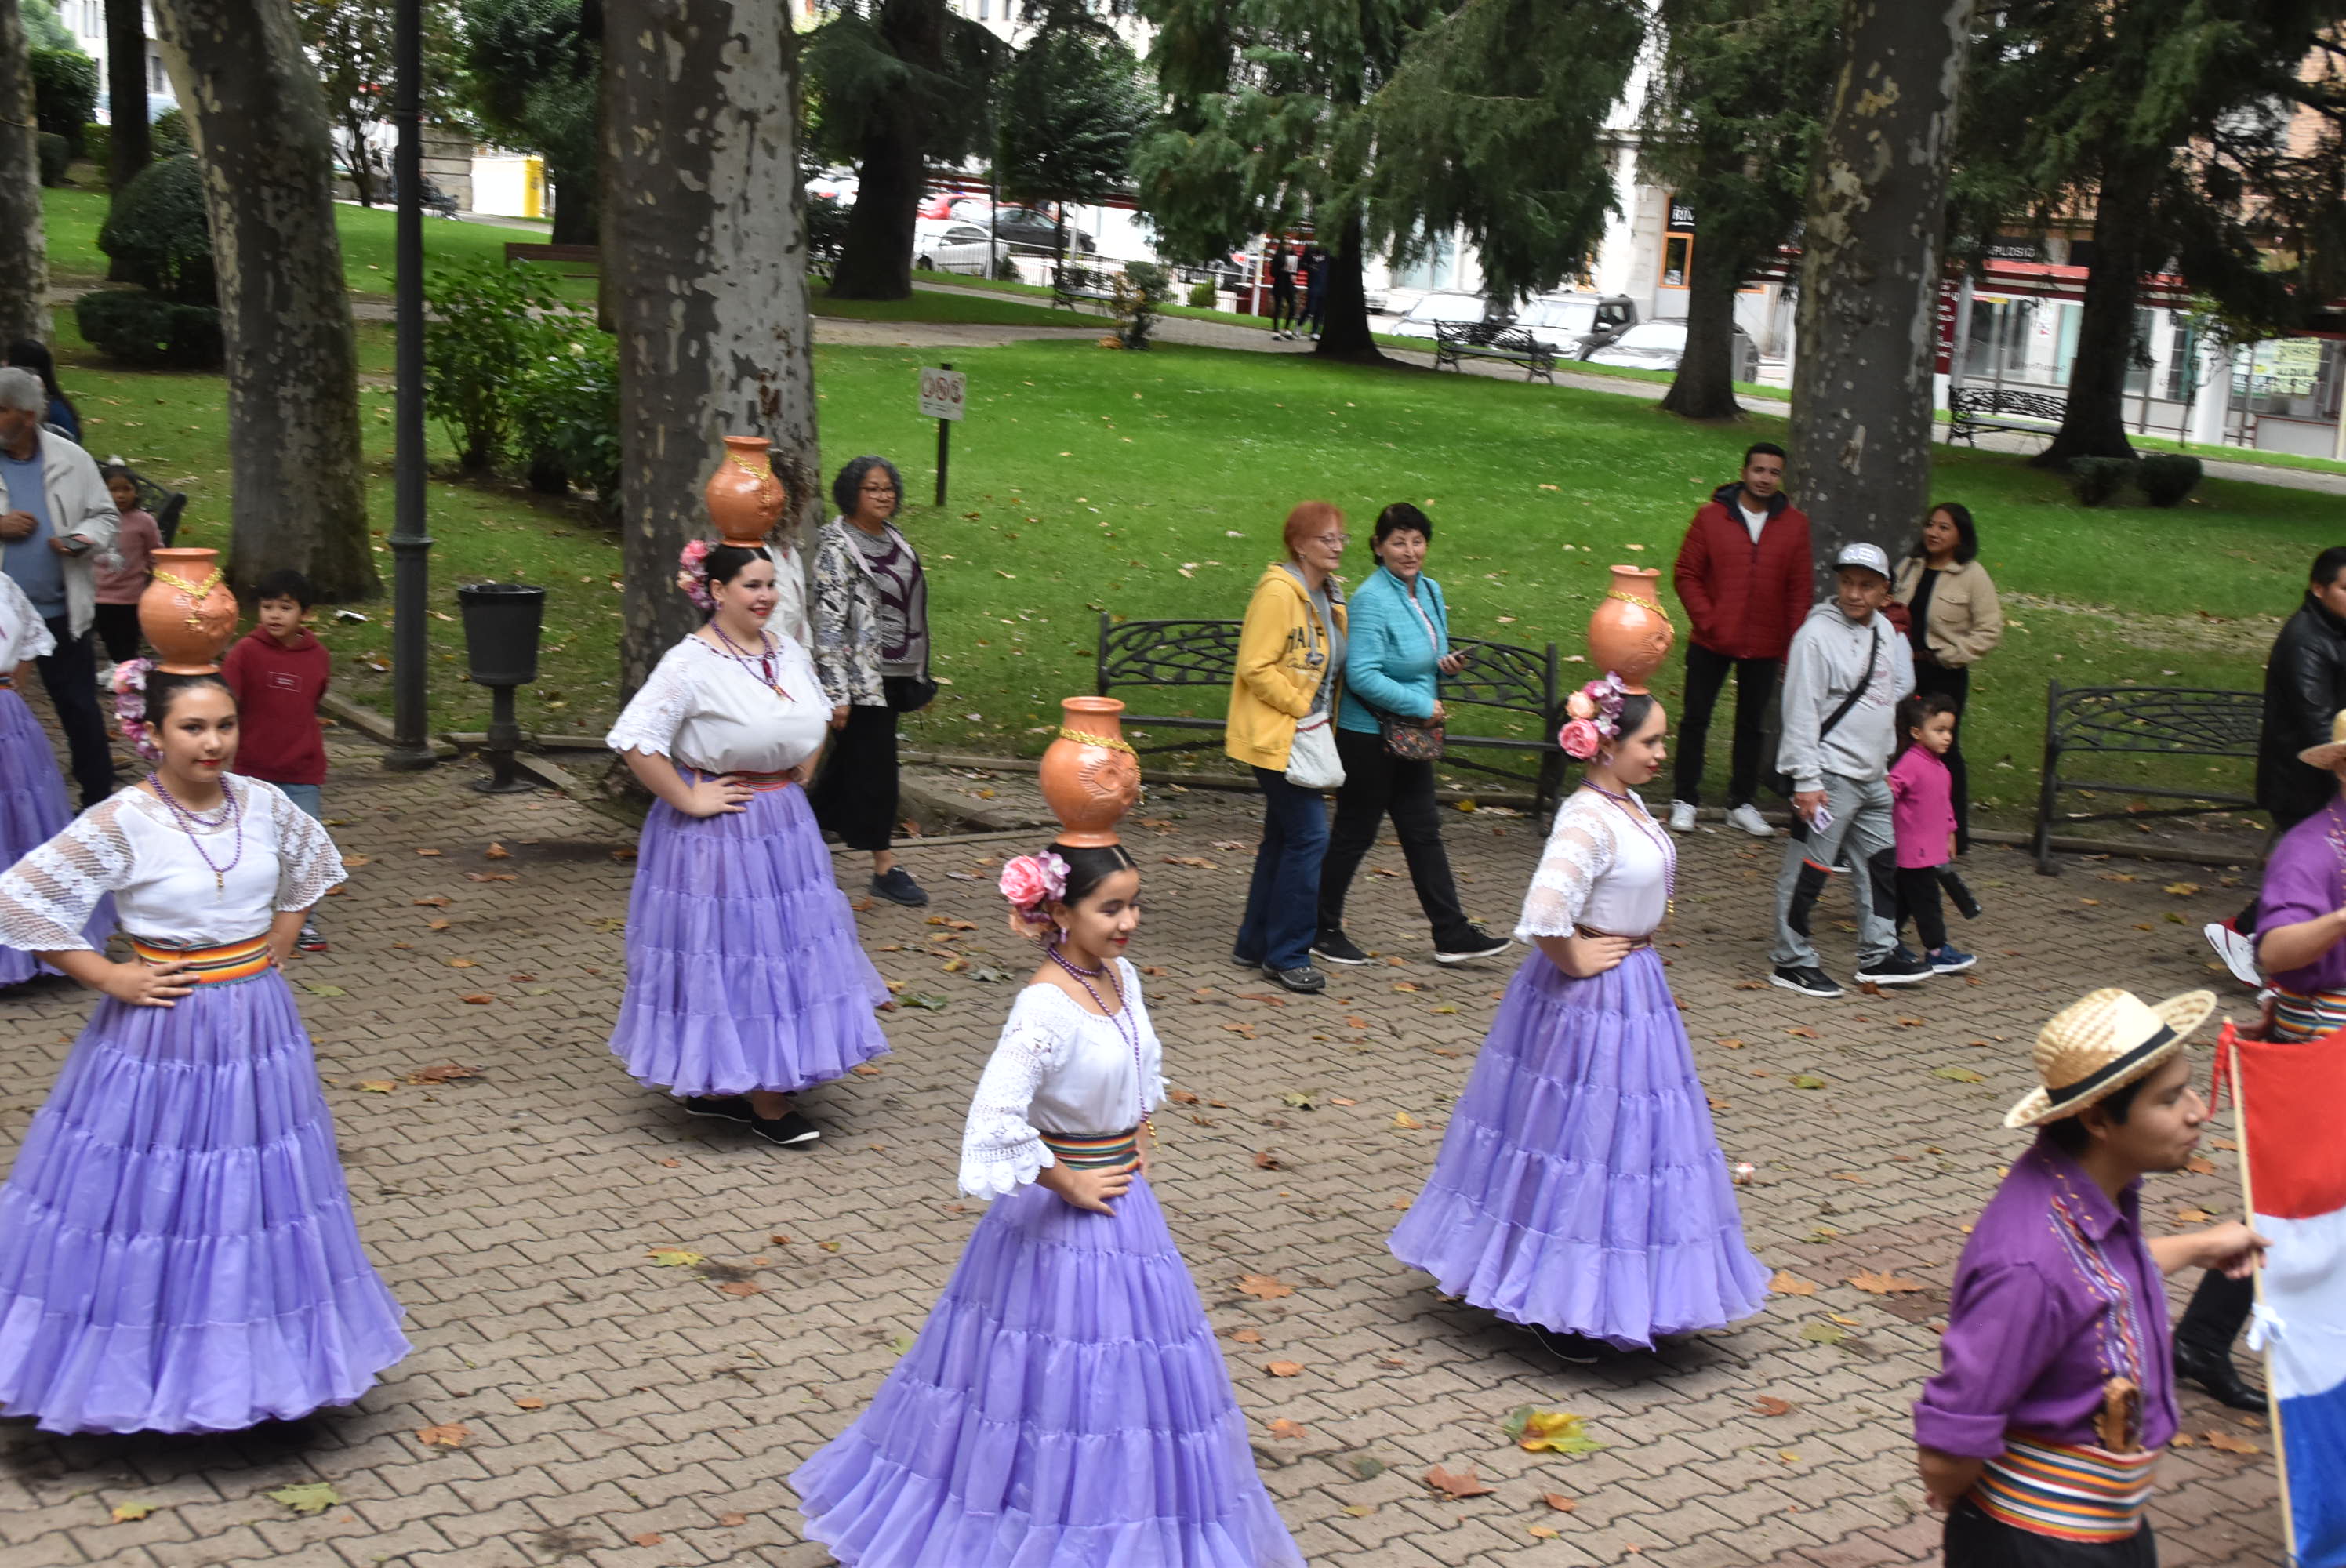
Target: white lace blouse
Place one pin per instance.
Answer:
(22, 633)
(164, 892)
(1058, 1068)
(1603, 868)
(705, 708)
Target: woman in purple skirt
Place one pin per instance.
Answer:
(176, 1248)
(32, 805)
(1580, 1190)
(1066, 1405)
(745, 983)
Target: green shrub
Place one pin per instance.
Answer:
(566, 412)
(1201, 294)
(487, 323)
(54, 155)
(826, 231)
(1140, 295)
(65, 93)
(2166, 477)
(169, 135)
(148, 331)
(97, 143)
(156, 234)
(2093, 480)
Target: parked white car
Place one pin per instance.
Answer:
(1572, 324)
(1659, 345)
(959, 248)
(1422, 317)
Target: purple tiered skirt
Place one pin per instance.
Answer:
(743, 969)
(1580, 1187)
(176, 1248)
(1063, 1407)
(32, 810)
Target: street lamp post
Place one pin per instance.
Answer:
(411, 546)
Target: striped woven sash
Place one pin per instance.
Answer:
(2306, 1014)
(760, 782)
(1107, 1151)
(210, 965)
(2070, 1491)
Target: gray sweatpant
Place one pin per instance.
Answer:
(1859, 834)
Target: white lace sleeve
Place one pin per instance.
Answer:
(648, 723)
(1579, 849)
(1000, 1149)
(45, 898)
(307, 861)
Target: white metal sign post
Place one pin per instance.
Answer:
(944, 391)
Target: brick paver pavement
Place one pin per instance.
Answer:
(622, 1412)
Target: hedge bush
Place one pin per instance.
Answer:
(488, 323)
(54, 155)
(98, 144)
(65, 93)
(147, 330)
(169, 136)
(2093, 480)
(158, 237)
(2166, 477)
(567, 414)
(1201, 295)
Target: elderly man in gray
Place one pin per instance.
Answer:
(56, 520)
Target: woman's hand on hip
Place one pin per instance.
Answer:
(1089, 1189)
(716, 797)
(1582, 957)
(142, 985)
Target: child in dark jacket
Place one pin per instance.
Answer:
(1922, 817)
(278, 671)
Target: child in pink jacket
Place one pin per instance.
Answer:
(1922, 817)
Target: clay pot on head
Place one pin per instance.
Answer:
(1630, 634)
(1090, 775)
(186, 611)
(743, 496)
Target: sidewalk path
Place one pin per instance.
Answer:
(595, 1406)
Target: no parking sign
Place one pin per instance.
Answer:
(944, 391)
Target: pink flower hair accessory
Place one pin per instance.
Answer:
(692, 573)
(1593, 717)
(130, 683)
(1030, 881)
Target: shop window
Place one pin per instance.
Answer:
(1678, 245)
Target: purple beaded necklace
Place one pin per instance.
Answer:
(764, 660)
(1126, 1029)
(1652, 830)
(190, 821)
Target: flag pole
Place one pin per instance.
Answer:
(2248, 1207)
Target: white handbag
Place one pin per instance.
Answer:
(1312, 760)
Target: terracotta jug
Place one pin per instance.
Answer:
(1630, 634)
(744, 497)
(187, 612)
(1091, 776)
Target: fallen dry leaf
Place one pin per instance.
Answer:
(1248, 1336)
(427, 852)
(124, 1513)
(1465, 1483)
(1785, 1284)
(1284, 1428)
(529, 1402)
(2225, 1442)
(1543, 1532)
(443, 1073)
(1266, 1161)
(448, 1434)
(865, 1070)
(2200, 1165)
(435, 902)
(462, 963)
(741, 1288)
(377, 1085)
(649, 1537)
(477, 999)
(1403, 1120)
(2192, 1216)
(674, 1257)
(1549, 1431)
(1264, 1287)
(1769, 1405)
(733, 1520)
(1559, 1501)
(1283, 1368)
(497, 853)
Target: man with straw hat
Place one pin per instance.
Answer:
(2055, 1394)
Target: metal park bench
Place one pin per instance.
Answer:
(585, 259)
(1199, 659)
(1079, 285)
(2142, 721)
(1971, 409)
(1457, 341)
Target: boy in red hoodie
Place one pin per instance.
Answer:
(278, 672)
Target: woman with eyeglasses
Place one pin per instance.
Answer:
(871, 653)
(1282, 703)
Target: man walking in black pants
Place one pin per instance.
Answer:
(1743, 574)
(1284, 261)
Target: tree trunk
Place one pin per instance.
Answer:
(709, 273)
(130, 146)
(24, 242)
(1704, 387)
(362, 163)
(1871, 270)
(1344, 302)
(2094, 424)
(259, 123)
(575, 221)
(876, 259)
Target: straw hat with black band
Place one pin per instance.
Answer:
(2101, 1043)
(2332, 752)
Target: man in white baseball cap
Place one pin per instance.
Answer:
(1847, 668)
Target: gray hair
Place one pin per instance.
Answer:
(20, 388)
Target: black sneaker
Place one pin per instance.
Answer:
(1307, 979)
(790, 1129)
(1806, 979)
(1335, 947)
(1896, 967)
(311, 940)
(723, 1107)
(898, 887)
(1580, 1350)
(1480, 945)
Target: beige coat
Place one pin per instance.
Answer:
(1965, 620)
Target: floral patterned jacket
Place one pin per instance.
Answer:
(847, 618)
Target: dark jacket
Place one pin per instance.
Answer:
(1745, 599)
(2305, 686)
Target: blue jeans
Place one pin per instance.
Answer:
(1282, 910)
(311, 797)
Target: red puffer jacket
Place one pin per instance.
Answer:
(1745, 599)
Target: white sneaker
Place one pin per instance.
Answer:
(1748, 817)
(2239, 952)
(1681, 816)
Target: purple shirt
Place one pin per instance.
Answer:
(2031, 1335)
(1922, 807)
(2304, 879)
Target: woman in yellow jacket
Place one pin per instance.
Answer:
(1290, 656)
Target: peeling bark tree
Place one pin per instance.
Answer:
(24, 243)
(707, 279)
(258, 124)
(1869, 272)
